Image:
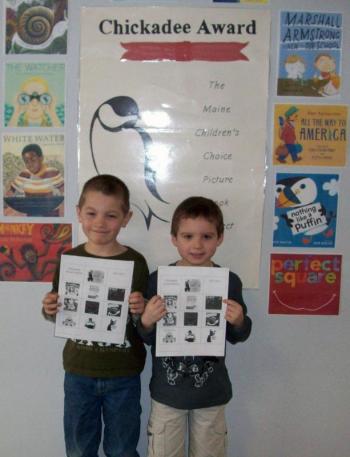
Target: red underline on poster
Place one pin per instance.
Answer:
(300, 308)
(184, 51)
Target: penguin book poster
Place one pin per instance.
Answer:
(305, 210)
(305, 284)
(36, 27)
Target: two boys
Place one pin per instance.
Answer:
(197, 231)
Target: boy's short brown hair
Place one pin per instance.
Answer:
(194, 207)
(107, 185)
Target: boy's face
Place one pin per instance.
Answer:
(101, 217)
(32, 161)
(196, 241)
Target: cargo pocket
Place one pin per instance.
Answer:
(219, 448)
(156, 440)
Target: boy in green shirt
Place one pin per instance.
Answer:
(102, 381)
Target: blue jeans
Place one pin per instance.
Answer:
(90, 401)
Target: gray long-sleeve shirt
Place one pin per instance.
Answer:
(194, 382)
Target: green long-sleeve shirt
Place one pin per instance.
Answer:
(101, 359)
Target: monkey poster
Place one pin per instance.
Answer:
(30, 252)
(168, 104)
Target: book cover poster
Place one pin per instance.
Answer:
(36, 27)
(34, 94)
(30, 252)
(313, 135)
(305, 210)
(33, 174)
(305, 284)
(168, 103)
(310, 54)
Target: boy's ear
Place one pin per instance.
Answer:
(220, 239)
(174, 240)
(127, 218)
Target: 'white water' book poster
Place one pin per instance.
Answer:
(173, 101)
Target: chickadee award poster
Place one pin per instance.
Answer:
(174, 102)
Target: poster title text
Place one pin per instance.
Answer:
(169, 27)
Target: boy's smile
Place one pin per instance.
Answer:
(101, 217)
(196, 241)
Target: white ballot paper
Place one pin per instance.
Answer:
(94, 296)
(194, 323)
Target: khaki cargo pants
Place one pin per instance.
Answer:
(167, 429)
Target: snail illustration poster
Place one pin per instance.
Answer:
(30, 252)
(306, 210)
(168, 104)
(315, 135)
(33, 174)
(34, 94)
(305, 284)
(310, 54)
(36, 27)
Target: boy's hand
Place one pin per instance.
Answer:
(234, 313)
(50, 303)
(154, 311)
(136, 303)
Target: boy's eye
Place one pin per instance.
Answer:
(187, 237)
(208, 237)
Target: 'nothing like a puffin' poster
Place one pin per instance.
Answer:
(306, 210)
(169, 98)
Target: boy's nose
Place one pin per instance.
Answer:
(100, 220)
(197, 242)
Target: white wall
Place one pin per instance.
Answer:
(291, 378)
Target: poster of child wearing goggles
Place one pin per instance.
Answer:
(34, 94)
